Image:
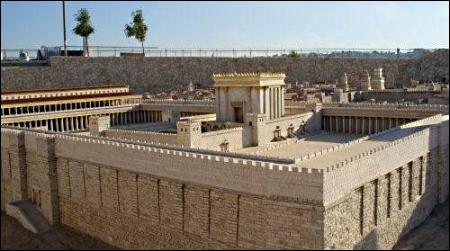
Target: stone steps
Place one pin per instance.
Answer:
(28, 215)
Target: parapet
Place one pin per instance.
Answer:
(396, 142)
(249, 74)
(248, 79)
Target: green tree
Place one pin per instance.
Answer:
(83, 28)
(137, 28)
(294, 54)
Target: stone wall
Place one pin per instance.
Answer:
(378, 213)
(266, 129)
(395, 96)
(161, 74)
(237, 138)
(137, 211)
(163, 138)
(138, 196)
(122, 199)
(378, 205)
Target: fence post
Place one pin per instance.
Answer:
(250, 52)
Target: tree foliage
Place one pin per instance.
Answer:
(294, 54)
(137, 28)
(84, 27)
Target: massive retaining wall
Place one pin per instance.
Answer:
(136, 196)
(157, 74)
(376, 205)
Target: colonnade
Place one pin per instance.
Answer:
(66, 106)
(133, 117)
(72, 124)
(188, 114)
(81, 123)
(361, 125)
(274, 101)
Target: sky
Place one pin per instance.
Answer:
(240, 25)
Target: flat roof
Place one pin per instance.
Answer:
(66, 89)
(310, 144)
(63, 98)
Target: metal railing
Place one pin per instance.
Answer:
(115, 51)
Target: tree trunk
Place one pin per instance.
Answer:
(87, 47)
(84, 46)
(143, 51)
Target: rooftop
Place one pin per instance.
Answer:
(248, 79)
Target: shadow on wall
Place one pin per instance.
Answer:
(417, 198)
(370, 242)
(394, 228)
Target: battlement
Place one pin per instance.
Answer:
(141, 132)
(366, 154)
(164, 148)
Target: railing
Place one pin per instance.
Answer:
(115, 51)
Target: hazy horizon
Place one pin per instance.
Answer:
(239, 25)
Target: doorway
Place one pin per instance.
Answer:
(238, 115)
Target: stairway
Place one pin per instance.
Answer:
(28, 215)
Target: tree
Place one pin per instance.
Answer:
(137, 28)
(83, 28)
(294, 54)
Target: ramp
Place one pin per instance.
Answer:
(28, 215)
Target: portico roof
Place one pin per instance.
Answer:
(254, 79)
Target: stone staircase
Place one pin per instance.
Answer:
(28, 215)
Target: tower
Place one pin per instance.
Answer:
(343, 84)
(365, 82)
(191, 87)
(378, 79)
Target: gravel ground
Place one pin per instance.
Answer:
(433, 234)
(15, 237)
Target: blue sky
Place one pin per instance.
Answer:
(235, 24)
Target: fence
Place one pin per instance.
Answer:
(115, 51)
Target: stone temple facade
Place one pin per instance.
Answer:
(246, 171)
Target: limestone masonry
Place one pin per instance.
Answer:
(245, 171)
(160, 74)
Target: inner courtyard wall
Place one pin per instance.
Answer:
(157, 137)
